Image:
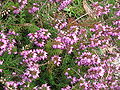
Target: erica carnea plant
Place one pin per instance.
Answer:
(43, 47)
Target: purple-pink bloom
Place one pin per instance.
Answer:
(34, 55)
(117, 13)
(16, 11)
(95, 72)
(56, 59)
(32, 72)
(33, 9)
(100, 10)
(66, 88)
(39, 37)
(64, 4)
(88, 58)
(44, 86)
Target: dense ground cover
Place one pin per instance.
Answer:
(59, 45)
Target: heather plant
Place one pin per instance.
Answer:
(59, 45)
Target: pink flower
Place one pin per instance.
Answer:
(33, 9)
(39, 38)
(64, 4)
(99, 85)
(66, 88)
(44, 86)
(66, 73)
(6, 44)
(1, 70)
(100, 10)
(60, 25)
(56, 59)
(19, 1)
(11, 84)
(88, 58)
(95, 72)
(34, 55)
(16, 11)
(1, 62)
(32, 72)
(24, 2)
(118, 13)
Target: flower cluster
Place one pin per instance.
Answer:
(22, 3)
(65, 40)
(12, 85)
(30, 59)
(7, 44)
(118, 13)
(100, 10)
(66, 88)
(73, 78)
(34, 8)
(95, 72)
(99, 76)
(117, 22)
(31, 73)
(88, 59)
(34, 55)
(63, 3)
(99, 70)
(39, 38)
(60, 25)
(56, 59)
(83, 42)
(100, 37)
(43, 87)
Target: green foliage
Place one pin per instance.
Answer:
(75, 9)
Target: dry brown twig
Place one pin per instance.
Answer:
(88, 9)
